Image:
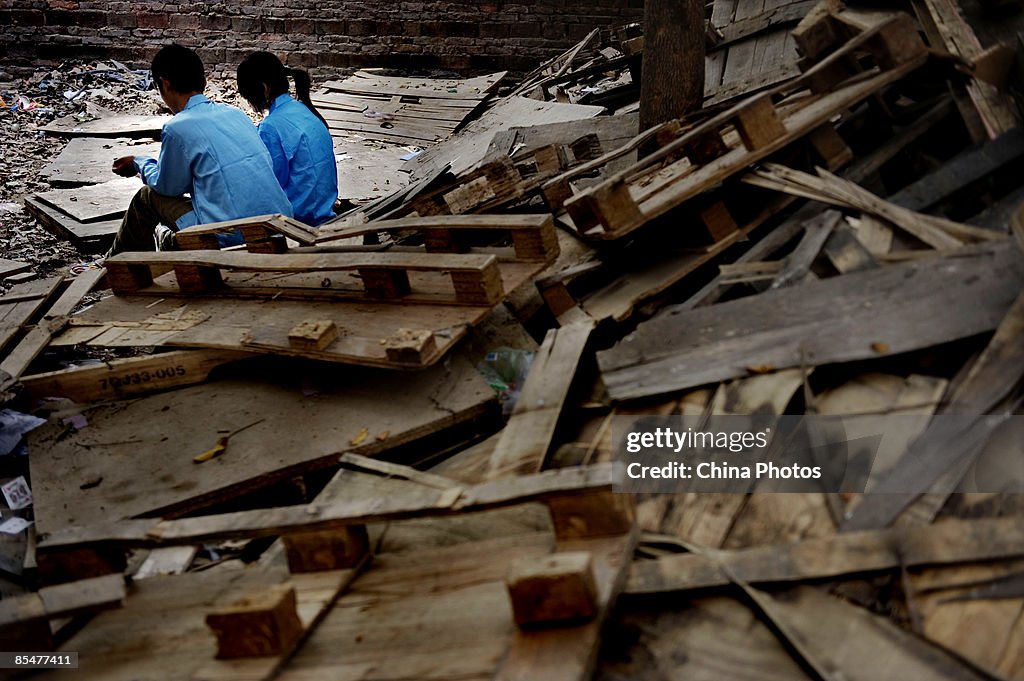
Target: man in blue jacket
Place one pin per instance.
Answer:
(209, 151)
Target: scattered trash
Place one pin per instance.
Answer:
(505, 370)
(13, 426)
(17, 493)
(14, 525)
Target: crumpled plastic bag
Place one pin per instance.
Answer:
(13, 426)
(505, 370)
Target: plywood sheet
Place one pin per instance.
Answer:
(135, 457)
(93, 202)
(88, 160)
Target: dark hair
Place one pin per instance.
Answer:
(182, 68)
(263, 68)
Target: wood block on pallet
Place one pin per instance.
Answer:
(313, 334)
(818, 32)
(198, 241)
(536, 245)
(610, 205)
(197, 279)
(706, 148)
(717, 220)
(897, 42)
(550, 159)
(586, 148)
(123, 278)
(556, 589)
(594, 514)
(479, 287)
(830, 147)
(556, 194)
(385, 283)
(274, 243)
(262, 625)
(443, 241)
(328, 550)
(410, 346)
(758, 122)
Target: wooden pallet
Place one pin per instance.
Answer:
(533, 236)
(692, 161)
(475, 279)
(504, 180)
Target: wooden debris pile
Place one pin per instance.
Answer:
(838, 232)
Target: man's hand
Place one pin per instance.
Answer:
(125, 166)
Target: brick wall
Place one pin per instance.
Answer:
(325, 36)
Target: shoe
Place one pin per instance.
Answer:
(81, 267)
(165, 239)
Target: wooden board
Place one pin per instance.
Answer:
(262, 325)
(417, 501)
(850, 553)
(368, 172)
(120, 378)
(469, 147)
(834, 320)
(91, 203)
(703, 639)
(369, 83)
(117, 125)
(12, 267)
(21, 303)
(151, 470)
(91, 236)
(88, 160)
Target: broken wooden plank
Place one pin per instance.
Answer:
(948, 446)
(798, 263)
(88, 160)
(840, 640)
(91, 236)
(117, 125)
(92, 203)
(120, 378)
(526, 439)
(64, 600)
(12, 267)
(253, 229)
(685, 349)
(160, 434)
(948, 542)
(421, 503)
(21, 303)
(36, 340)
(966, 167)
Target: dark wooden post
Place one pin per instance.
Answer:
(672, 80)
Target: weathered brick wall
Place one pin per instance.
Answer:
(325, 36)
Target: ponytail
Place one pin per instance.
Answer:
(302, 88)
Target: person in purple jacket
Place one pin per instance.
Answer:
(295, 134)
